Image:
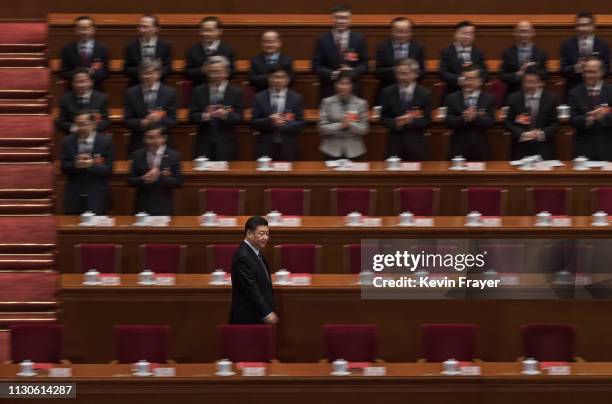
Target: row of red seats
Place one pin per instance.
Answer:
(306, 258)
(43, 343)
(489, 201)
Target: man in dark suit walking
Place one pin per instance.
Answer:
(400, 46)
(155, 172)
(278, 115)
(82, 97)
(85, 52)
(471, 112)
(87, 162)
(340, 49)
(520, 56)
(460, 54)
(216, 107)
(252, 294)
(270, 57)
(147, 47)
(590, 113)
(532, 118)
(406, 113)
(211, 45)
(577, 49)
(147, 104)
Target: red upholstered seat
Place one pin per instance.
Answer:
(25, 130)
(497, 89)
(351, 342)
(288, 201)
(163, 258)
(24, 82)
(138, 342)
(601, 199)
(347, 200)
(448, 341)
(549, 342)
(29, 262)
(186, 90)
(220, 256)
(298, 258)
(23, 36)
(105, 258)
(40, 343)
(352, 258)
(556, 201)
(487, 201)
(222, 201)
(20, 289)
(247, 343)
(418, 201)
(27, 234)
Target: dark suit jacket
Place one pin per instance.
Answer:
(258, 72)
(252, 294)
(71, 60)
(510, 65)
(133, 58)
(216, 138)
(546, 121)
(92, 181)
(385, 61)
(135, 109)
(451, 66)
(326, 59)
(593, 141)
(469, 139)
(156, 198)
(570, 53)
(196, 57)
(407, 142)
(262, 109)
(69, 107)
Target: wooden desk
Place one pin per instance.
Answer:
(194, 309)
(305, 383)
(315, 176)
(329, 231)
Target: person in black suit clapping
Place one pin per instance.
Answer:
(270, 57)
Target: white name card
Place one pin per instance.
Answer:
(424, 221)
(254, 371)
(371, 221)
(475, 166)
(510, 280)
(559, 371)
(227, 221)
(470, 370)
(165, 280)
(583, 280)
(301, 280)
(606, 167)
(164, 372)
(282, 166)
(492, 221)
(375, 371)
(213, 166)
(110, 280)
(60, 372)
(561, 221)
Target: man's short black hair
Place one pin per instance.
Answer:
(536, 71)
(471, 68)
(253, 223)
(464, 24)
(585, 14)
(211, 18)
(344, 74)
(83, 18)
(276, 68)
(341, 8)
(81, 70)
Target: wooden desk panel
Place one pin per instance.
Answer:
(194, 310)
(314, 175)
(329, 231)
(501, 383)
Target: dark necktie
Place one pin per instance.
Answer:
(270, 60)
(277, 103)
(406, 97)
(84, 147)
(524, 56)
(471, 101)
(82, 101)
(150, 99)
(533, 109)
(263, 264)
(584, 50)
(84, 54)
(148, 52)
(594, 96)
